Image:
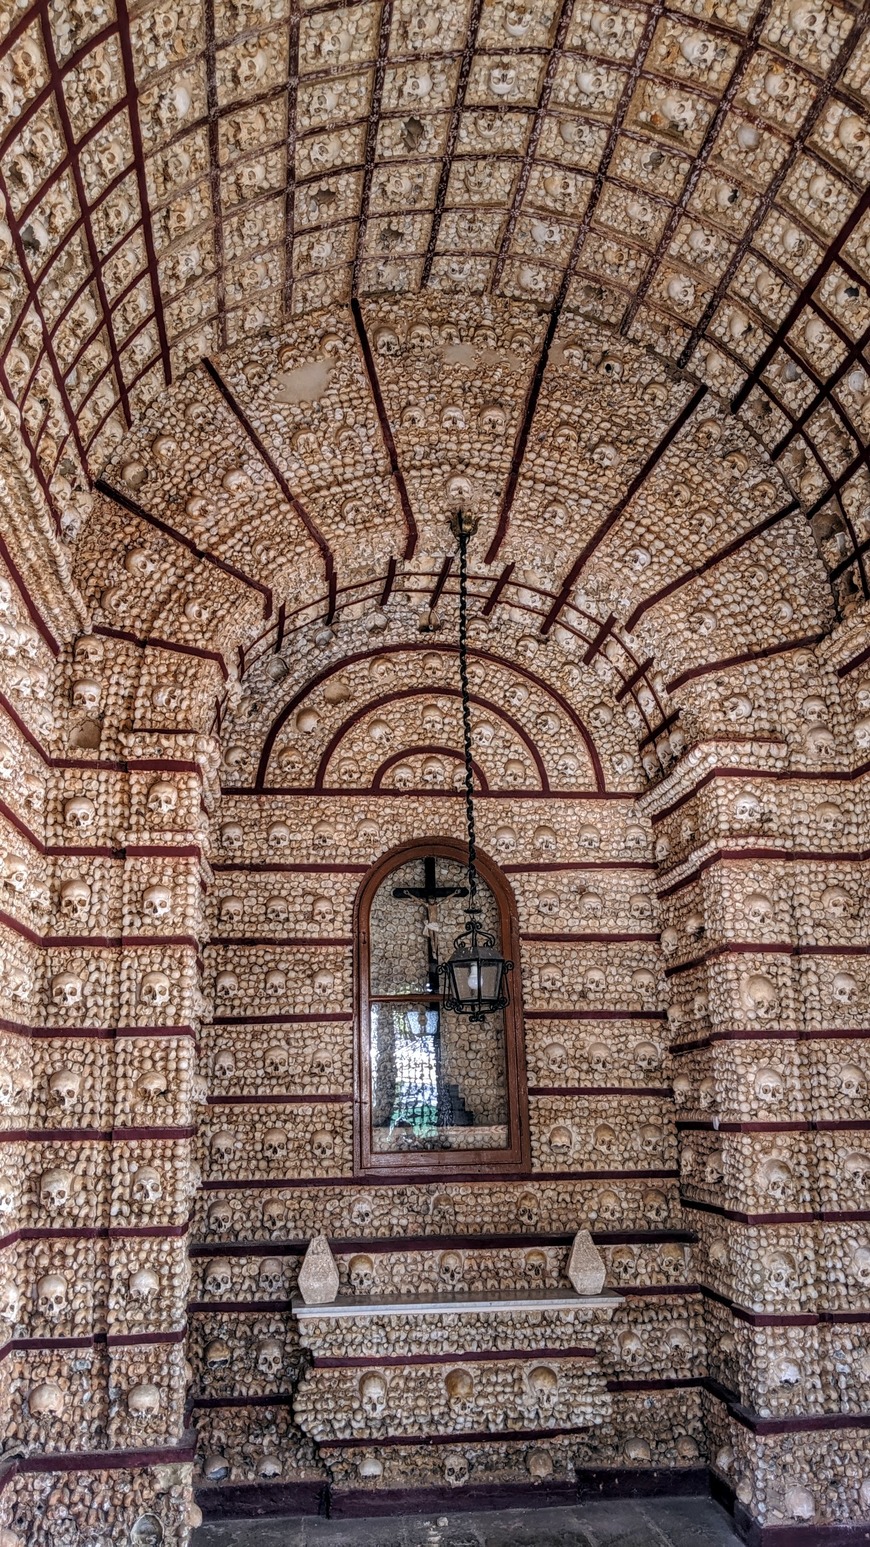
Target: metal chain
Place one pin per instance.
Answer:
(466, 711)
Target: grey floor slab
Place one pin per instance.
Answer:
(676, 1522)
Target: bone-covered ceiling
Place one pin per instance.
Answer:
(690, 179)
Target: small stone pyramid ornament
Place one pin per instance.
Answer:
(586, 1268)
(318, 1276)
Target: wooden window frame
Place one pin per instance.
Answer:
(515, 1159)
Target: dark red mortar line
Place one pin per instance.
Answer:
(495, 593)
(725, 664)
(594, 645)
(452, 137)
(48, 342)
(555, 54)
(33, 611)
(656, 10)
(290, 152)
(432, 647)
(748, 50)
(124, 501)
(715, 558)
(765, 204)
(152, 642)
(802, 299)
(389, 581)
(386, 431)
(132, 94)
(622, 504)
(295, 504)
(443, 692)
(214, 165)
(81, 194)
(371, 145)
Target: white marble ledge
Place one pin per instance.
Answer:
(351, 1308)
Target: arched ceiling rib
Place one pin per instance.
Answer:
(179, 179)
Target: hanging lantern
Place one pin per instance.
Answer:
(475, 976)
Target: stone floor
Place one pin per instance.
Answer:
(669, 1522)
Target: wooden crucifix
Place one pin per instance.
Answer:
(430, 894)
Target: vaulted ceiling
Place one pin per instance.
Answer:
(287, 282)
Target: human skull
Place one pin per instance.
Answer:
(609, 1208)
(67, 990)
(647, 1056)
(51, 1296)
(761, 996)
(768, 1086)
(322, 1144)
(46, 1401)
(455, 1469)
(549, 903)
(154, 989)
(147, 1187)
(79, 812)
(450, 1269)
(274, 1143)
(747, 807)
(594, 983)
(144, 1284)
(162, 799)
(776, 1179)
(851, 1081)
(843, 988)
(226, 985)
(56, 1188)
(527, 1210)
(459, 1386)
(543, 1387)
(505, 840)
(270, 1358)
(64, 1087)
(556, 1056)
(361, 1271)
(219, 1276)
(224, 1063)
(373, 1395)
(781, 1272)
(856, 1169)
(86, 694)
(157, 902)
(560, 1140)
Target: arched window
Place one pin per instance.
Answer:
(436, 1094)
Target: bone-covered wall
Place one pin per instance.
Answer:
(280, 288)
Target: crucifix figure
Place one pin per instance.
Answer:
(430, 894)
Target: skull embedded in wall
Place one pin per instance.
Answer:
(270, 1358)
(322, 1144)
(147, 1187)
(451, 1269)
(850, 1081)
(274, 1143)
(856, 1170)
(64, 1088)
(556, 1057)
(459, 1386)
(277, 910)
(322, 911)
(361, 1271)
(373, 1395)
(768, 1086)
(226, 985)
(543, 1388)
(56, 1188)
(79, 812)
(46, 1401)
(275, 983)
(505, 840)
(276, 1061)
(322, 985)
(219, 1276)
(843, 988)
(144, 1285)
(8, 1195)
(154, 990)
(162, 800)
(758, 992)
(549, 903)
(780, 1272)
(535, 1266)
(231, 910)
(52, 1291)
(776, 1179)
(527, 1211)
(156, 903)
(455, 1469)
(224, 1063)
(561, 1141)
(67, 990)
